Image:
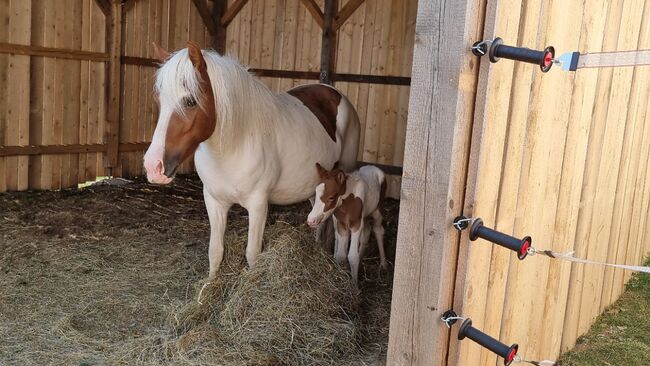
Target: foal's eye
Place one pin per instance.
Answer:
(189, 102)
(331, 198)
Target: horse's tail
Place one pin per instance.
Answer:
(350, 130)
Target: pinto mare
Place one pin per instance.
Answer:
(251, 146)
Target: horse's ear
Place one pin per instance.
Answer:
(322, 173)
(340, 177)
(160, 53)
(194, 51)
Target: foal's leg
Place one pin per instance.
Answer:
(218, 214)
(341, 243)
(378, 229)
(354, 255)
(257, 211)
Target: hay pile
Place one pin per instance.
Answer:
(295, 307)
(111, 275)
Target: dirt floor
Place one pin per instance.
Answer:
(94, 276)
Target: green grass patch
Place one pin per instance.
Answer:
(621, 335)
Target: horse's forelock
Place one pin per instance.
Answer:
(177, 79)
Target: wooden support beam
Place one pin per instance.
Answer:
(433, 182)
(232, 11)
(105, 6)
(294, 74)
(127, 4)
(219, 38)
(315, 11)
(328, 47)
(113, 105)
(19, 49)
(347, 11)
(204, 12)
(372, 79)
(51, 149)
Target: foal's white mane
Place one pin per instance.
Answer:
(243, 103)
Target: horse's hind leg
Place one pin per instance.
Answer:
(218, 214)
(378, 229)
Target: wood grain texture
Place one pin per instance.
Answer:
(431, 184)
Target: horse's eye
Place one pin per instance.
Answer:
(331, 198)
(189, 102)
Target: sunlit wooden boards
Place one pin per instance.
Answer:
(561, 157)
(50, 101)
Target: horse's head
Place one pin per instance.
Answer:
(328, 194)
(187, 111)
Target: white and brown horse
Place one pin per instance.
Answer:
(251, 146)
(351, 199)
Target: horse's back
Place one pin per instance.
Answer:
(336, 115)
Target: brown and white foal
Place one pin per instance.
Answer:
(352, 199)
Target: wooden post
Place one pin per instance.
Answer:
(440, 115)
(219, 38)
(328, 47)
(113, 105)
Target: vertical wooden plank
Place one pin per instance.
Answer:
(62, 39)
(4, 92)
(71, 123)
(582, 276)
(366, 49)
(84, 86)
(37, 94)
(99, 82)
(573, 166)
(609, 167)
(289, 40)
(619, 237)
(18, 76)
(220, 38)
(433, 179)
(114, 31)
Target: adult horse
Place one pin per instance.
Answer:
(251, 146)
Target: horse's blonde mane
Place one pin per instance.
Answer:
(242, 101)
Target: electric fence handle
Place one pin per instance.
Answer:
(496, 50)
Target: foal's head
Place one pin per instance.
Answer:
(328, 194)
(187, 111)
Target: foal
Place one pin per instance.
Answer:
(352, 199)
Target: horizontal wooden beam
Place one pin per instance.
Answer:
(294, 74)
(232, 11)
(139, 61)
(286, 74)
(346, 12)
(134, 146)
(315, 11)
(51, 149)
(204, 12)
(372, 79)
(19, 49)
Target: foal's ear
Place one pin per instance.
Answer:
(322, 173)
(194, 51)
(160, 53)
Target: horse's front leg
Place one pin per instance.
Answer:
(218, 214)
(257, 212)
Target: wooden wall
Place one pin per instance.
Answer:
(562, 157)
(377, 39)
(48, 101)
(63, 101)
